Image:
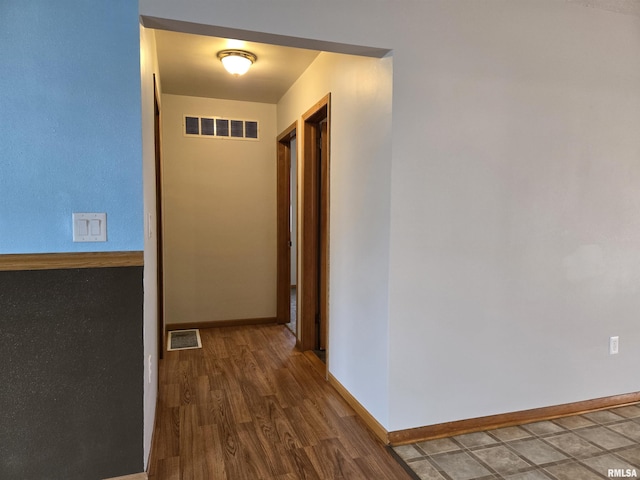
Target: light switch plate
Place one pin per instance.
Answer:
(89, 227)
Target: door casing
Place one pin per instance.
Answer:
(283, 193)
(313, 251)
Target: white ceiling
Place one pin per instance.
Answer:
(188, 65)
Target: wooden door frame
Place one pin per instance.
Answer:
(324, 235)
(314, 225)
(313, 249)
(283, 282)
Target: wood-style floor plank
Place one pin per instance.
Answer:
(248, 405)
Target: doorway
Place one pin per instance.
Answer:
(286, 230)
(293, 228)
(313, 253)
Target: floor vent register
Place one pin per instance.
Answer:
(184, 339)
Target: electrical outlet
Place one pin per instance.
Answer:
(614, 345)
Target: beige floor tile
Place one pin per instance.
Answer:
(425, 470)
(460, 466)
(603, 463)
(543, 428)
(573, 445)
(537, 451)
(574, 421)
(631, 455)
(501, 459)
(531, 475)
(630, 411)
(604, 437)
(510, 433)
(603, 416)
(476, 439)
(440, 445)
(572, 471)
(407, 452)
(629, 429)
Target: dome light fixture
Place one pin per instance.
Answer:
(236, 62)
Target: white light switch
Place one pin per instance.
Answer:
(95, 227)
(82, 227)
(89, 227)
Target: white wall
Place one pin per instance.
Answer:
(219, 215)
(515, 245)
(148, 66)
(514, 190)
(359, 214)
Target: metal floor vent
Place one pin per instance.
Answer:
(184, 339)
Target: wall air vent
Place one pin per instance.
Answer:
(251, 130)
(237, 128)
(191, 126)
(220, 128)
(207, 126)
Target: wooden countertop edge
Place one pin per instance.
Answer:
(61, 261)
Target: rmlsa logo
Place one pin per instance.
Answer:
(622, 473)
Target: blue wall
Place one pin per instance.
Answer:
(70, 123)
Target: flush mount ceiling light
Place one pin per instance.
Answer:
(236, 62)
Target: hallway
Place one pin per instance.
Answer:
(248, 405)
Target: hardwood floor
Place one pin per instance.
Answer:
(248, 405)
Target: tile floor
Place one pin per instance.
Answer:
(580, 447)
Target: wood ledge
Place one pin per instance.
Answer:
(63, 261)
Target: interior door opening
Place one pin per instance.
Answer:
(293, 236)
(286, 230)
(312, 254)
(314, 258)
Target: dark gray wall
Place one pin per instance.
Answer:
(71, 373)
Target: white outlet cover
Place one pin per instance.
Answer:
(614, 345)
